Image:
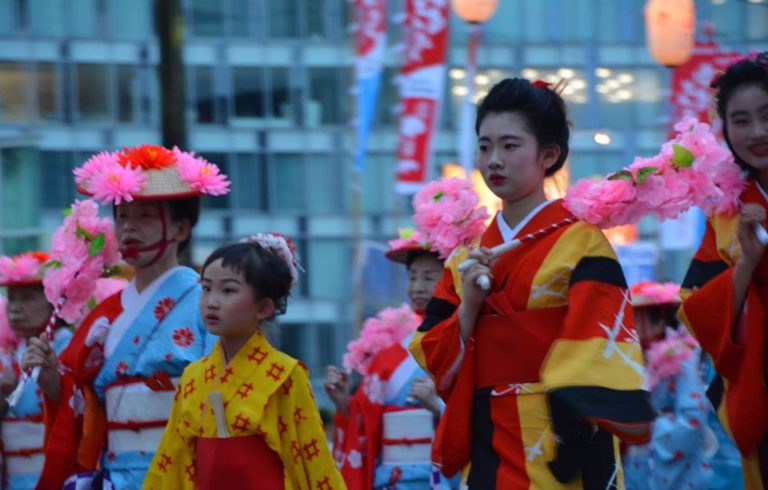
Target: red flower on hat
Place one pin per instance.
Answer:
(146, 157)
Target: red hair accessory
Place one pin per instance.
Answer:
(541, 84)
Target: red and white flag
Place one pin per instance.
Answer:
(422, 84)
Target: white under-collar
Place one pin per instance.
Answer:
(509, 234)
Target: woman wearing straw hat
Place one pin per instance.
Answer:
(27, 314)
(108, 396)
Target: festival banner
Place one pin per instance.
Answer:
(371, 41)
(422, 83)
(691, 93)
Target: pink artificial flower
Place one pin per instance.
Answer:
(409, 238)
(665, 358)
(200, 174)
(389, 327)
(22, 268)
(655, 293)
(446, 215)
(94, 165)
(116, 184)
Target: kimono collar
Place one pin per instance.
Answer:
(508, 233)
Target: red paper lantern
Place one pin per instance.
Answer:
(474, 11)
(670, 27)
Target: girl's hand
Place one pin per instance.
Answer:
(423, 391)
(751, 248)
(337, 384)
(474, 295)
(40, 353)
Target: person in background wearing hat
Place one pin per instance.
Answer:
(109, 395)
(688, 447)
(27, 313)
(395, 395)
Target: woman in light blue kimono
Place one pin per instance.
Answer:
(684, 447)
(106, 411)
(28, 312)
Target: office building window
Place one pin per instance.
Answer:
(389, 98)
(128, 93)
(82, 18)
(207, 17)
(287, 179)
(14, 92)
(46, 18)
(57, 185)
(93, 92)
(240, 17)
(326, 187)
(130, 20)
(626, 97)
(378, 183)
(328, 101)
(249, 189)
(328, 268)
(202, 94)
(8, 16)
(314, 15)
(249, 107)
(47, 82)
(280, 97)
(283, 18)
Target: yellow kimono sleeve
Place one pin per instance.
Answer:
(174, 466)
(304, 450)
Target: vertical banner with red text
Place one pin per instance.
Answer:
(422, 83)
(370, 44)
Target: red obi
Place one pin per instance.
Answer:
(238, 462)
(511, 347)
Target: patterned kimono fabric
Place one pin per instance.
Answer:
(119, 376)
(359, 438)
(682, 444)
(23, 427)
(554, 351)
(266, 399)
(738, 392)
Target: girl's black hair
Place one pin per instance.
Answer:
(412, 256)
(264, 270)
(753, 69)
(185, 208)
(543, 109)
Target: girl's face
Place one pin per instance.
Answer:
(747, 117)
(509, 157)
(228, 304)
(139, 224)
(423, 274)
(28, 310)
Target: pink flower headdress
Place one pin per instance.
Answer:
(649, 293)
(387, 328)
(282, 246)
(665, 358)
(446, 215)
(22, 270)
(408, 241)
(83, 250)
(692, 169)
(148, 172)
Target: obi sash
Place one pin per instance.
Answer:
(511, 347)
(238, 462)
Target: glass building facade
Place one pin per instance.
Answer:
(268, 100)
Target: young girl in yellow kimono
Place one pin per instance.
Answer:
(244, 416)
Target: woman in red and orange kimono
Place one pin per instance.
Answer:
(542, 370)
(726, 289)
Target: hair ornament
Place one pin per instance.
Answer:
(281, 245)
